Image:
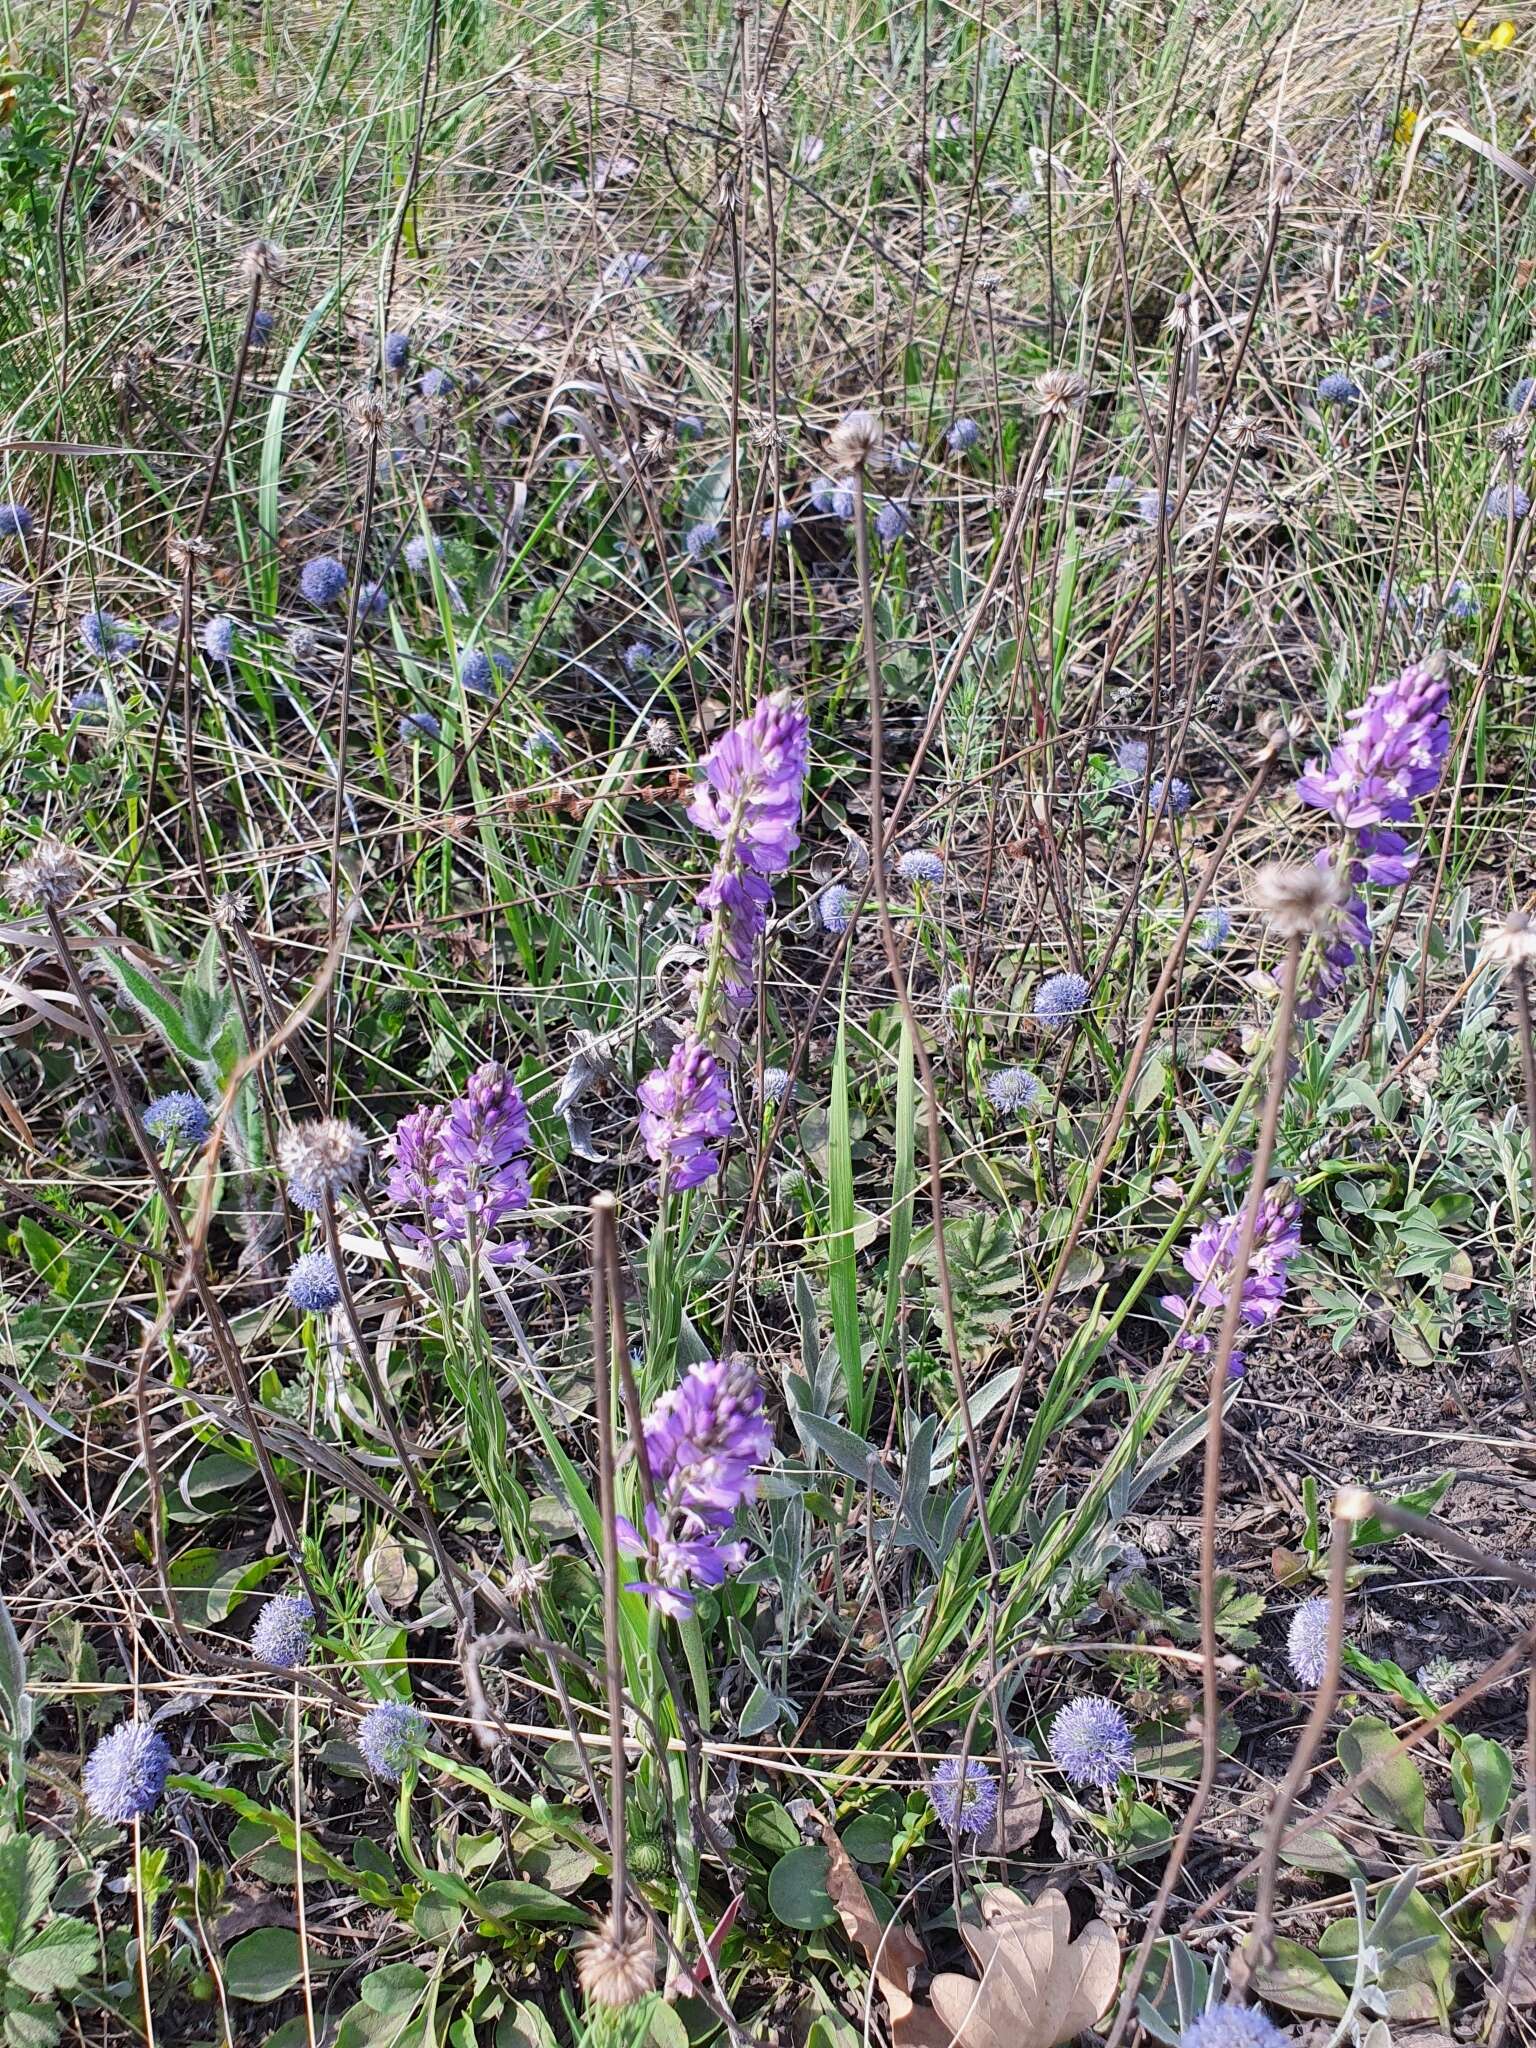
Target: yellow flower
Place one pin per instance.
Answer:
(1500, 38)
(1407, 121)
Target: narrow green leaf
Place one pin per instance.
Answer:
(842, 1269)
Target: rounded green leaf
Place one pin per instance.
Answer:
(797, 1890)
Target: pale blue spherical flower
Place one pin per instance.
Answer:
(86, 702)
(372, 601)
(15, 599)
(179, 1118)
(688, 426)
(1059, 997)
(921, 865)
(1522, 395)
(1504, 500)
(1152, 508)
(15, 521)
(282, 1632)
(390, 1736)
(323, 579)
(476, 671)
(421, 728)
(1012, 1089)
(964, 1796)
(104, 636)
(702, 539)
(777, 523)
(638, 656)
(436, 384)
(1180, 797)
(962, 435)
(219, 637)
(1234, 2026)
(956, 997)
(397, 350)
(263, 327)
(419, 550)
(1131, 757)
(1090, 1741)
(775, 1085)
(1212, 929)
(893, 522)
(1338, 388)
(125, 1774)
(1306, 1643)
(833, 497)
(312, 1284)
(543, 745)
(835, 908)
(1461, 601)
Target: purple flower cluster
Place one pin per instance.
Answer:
(1210, 1260)
(702, 1443)
(964, 1796)
(464, 1167)
(685, 1114)
(1391, 756)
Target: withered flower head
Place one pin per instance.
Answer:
(1059, 392)
(48, 877)
(263, 262)
(1298, 900)
(855, 441)
(1511, 946)
(612, 1972)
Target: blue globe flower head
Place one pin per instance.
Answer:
(962, 435)
(775, 1084)
(1461, 601)
(701, 539)
(391, 1736)
(1338, 388)
(104, 636)
(1306, 1643)
(419, 550)
(15, 521)
(1522, 395)
(1234, 2026)
(283, 1630)
(1212, 929)
(396, 351)
(777, 523)
(1152, 508)
(263, 326)
(1131, 757)
(921, 866)
(964, 1796)
(1506, 501)
(475, 671)
(1179, 794)
(219, 638)
(178, 1119)
(312, 1285)
(421, 729)
(833, 497)
(87, 702)
(893, 522)
(372, 601)
(1059, 997)
(835, 907)
(543, 745)
(15, 599)
(638, 656)
(1012, 1090)
(1090, 1742)
(437, 384)
(323, 580)
(627, 268)
(688, 426)
(125, 1774)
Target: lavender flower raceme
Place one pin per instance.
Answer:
(964, 1796)
(464, 1166)
(702, 1443)
(1210, 1260)
(686, 1114)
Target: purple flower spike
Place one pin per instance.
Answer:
(685, 1114)
(964, 1796)
(463, 1167)
(1391, 756)
(1210, 1260)
(703, 1442)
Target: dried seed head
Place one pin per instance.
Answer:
(185, 551)
(1510, 437)
(263, 262)
(1059, 392)
(367, 414)
(612, 1972)
(855, 441)
(49, 877)
(1298, 900)
(322, 1158)
(232, 910)
(524, 1579)
(1511, 947)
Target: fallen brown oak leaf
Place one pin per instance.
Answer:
(1038, 1986)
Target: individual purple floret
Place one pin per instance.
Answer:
(1391, 755)
(1090, 1742)
(1059, 997)
(1012, 1089)
(437, 384)
(179, 1118)
(1234, 2026)
(102, 635)
(835, 907)
(219, 638)
(1522, 395)
(465, 1167)
(686, 1114)
(1210, 1260)
(282, 1633)
(312, 1284)
(1306, 1643)
(397, 351)
(963, 1794)
(702, 539)
(125, 1774)
(1504, 501)
(962, 435)
(421, 728)
(703, 1442)
(921, 866)
(15, 521)
(893, 522)
(1338, 388)
(391, 1736)
(323, 580)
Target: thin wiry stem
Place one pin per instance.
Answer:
(602, 1214)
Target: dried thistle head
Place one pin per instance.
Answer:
(1298, 900)
(49, 877)
(263, 263)
(1059, 392)
(1511, 947)
(612, 1972)
(855, 441)
(184, 551)
(232, 910)
(323, 1158)
(368, 414)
